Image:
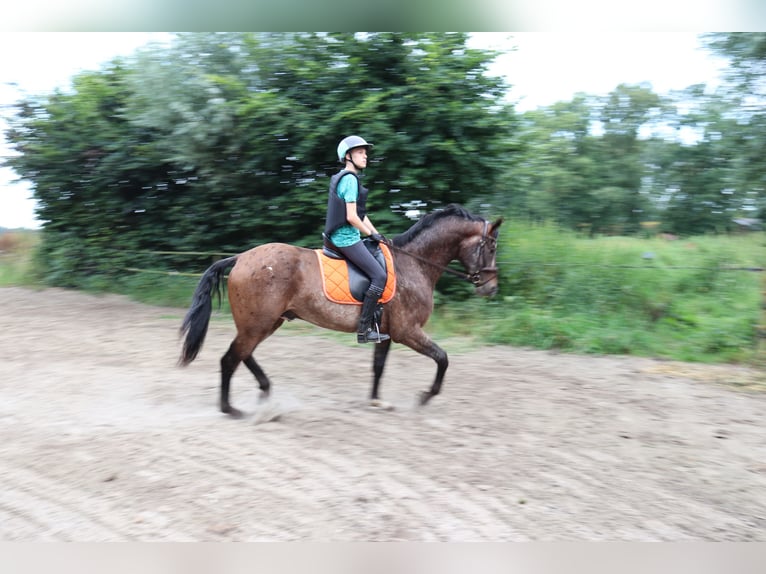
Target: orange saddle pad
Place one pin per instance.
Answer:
(335, 281)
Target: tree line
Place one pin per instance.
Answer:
(688, 163)
(220, 141)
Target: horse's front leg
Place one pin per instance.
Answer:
(378, 363)
(423, 344)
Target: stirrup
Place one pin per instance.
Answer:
(371, 336)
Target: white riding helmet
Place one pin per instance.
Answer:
(350, 143)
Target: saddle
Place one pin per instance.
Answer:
(343, 282)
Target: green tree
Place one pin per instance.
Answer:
(745, 93)
(262, 137)
(222, 141)
(89, 169)
(618, 204)
(694, 183)
(581, 162)
(552, 169)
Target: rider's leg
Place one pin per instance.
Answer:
(362, 258)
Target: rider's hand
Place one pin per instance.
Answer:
(379, 238)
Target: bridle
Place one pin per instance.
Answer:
(474, 277)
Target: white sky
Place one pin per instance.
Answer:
(546, 67)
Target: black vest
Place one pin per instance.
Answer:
(336, 207)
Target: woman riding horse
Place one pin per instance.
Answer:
(276, 282)
(347, 221)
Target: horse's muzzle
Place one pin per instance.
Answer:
(487, 289)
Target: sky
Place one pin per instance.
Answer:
(545, 67)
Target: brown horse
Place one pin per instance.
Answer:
(275, 282)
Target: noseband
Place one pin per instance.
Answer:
(474, 277)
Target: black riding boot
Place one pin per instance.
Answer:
(365, 333)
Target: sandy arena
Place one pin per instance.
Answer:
(104, 438)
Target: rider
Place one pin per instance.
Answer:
(347, 221)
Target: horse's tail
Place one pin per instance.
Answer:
(194, 326)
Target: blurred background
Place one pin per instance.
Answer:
(634, 207)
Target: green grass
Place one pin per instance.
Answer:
(17, 265)
(558, 290)
(620, 295)
(162, 290)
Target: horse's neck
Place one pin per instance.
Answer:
(439, 245)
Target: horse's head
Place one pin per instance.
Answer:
(478, 253)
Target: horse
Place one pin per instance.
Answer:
(275, 282)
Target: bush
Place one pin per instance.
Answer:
(618, 295)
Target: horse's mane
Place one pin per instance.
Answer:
(452, 210)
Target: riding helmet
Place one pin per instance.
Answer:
(350, 143)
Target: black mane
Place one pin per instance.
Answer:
(452, 210)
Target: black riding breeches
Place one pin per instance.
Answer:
(359, 255)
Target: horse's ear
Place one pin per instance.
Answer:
(497, 223)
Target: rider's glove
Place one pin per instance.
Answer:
(379, 238)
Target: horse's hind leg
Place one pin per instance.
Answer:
(263, 381)
(241, 350)
(229, 363)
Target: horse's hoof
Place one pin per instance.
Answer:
(382, 405)
(232, 412)
(264, 396)
(425, 396)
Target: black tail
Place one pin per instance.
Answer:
(194, 327)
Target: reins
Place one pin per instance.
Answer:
(473, 277)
